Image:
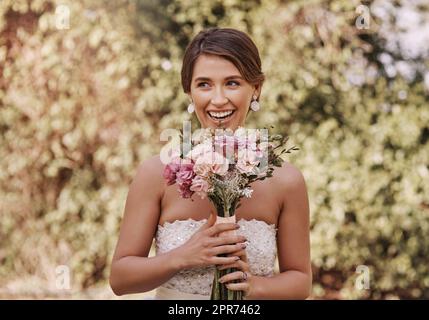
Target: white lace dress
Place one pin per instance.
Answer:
(196, 283)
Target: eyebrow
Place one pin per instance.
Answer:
(208, 79)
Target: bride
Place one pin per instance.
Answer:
(222, 76)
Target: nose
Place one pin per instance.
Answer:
(219, 99)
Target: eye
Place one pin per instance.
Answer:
(234, 83)
(237, 83)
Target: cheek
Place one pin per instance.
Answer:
(201, 101)
(241, 96)
(241, 102)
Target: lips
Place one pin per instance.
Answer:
(221, 115)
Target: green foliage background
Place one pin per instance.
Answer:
(80, 109)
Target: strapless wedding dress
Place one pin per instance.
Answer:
(196, 283)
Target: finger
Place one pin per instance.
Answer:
(219, 241)
(231, 219)
(239, 286)
(223, 260)
(210, 221)
(239, 264)
(225, 249)
(237, 275)
(242, 254)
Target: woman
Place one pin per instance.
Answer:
(222, 76)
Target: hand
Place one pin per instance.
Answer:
(203, 247)
(245, 285)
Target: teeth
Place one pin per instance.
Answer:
(220, 114)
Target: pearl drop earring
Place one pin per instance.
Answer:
(255, 106)
(191, 107)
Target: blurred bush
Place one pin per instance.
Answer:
(81, 107)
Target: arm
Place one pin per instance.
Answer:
(293, 242)
(132, 271)
(134, 274)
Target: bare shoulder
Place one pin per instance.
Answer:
(288, 175)
(150, 171)
(152, 164)
(290, 181)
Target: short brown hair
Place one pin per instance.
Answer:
(231, 44)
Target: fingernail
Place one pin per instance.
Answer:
(221, 280)
(237, 226)
(237, 258)
(243, 245)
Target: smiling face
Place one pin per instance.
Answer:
(220, 94)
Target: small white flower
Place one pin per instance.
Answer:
(247, 192)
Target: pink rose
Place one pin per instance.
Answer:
(211, 162)
(220, 164)
(200, 186)
(184, 189)
(171, 170)
(226, 145)
(199, 150)
(242, 143)
(251, 145)
(202, 167)
(247, 161)
(225, 140)
(185, 173)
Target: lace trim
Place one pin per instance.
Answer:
(166, 223)
(261, 251)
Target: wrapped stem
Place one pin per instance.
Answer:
(225, 213)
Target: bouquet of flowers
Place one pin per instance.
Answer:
(220, 165)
